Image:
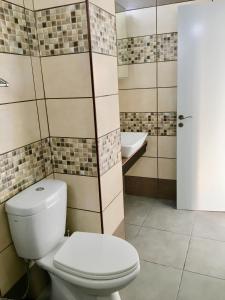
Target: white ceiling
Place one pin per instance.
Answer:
(135, 4)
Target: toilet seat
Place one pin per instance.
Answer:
(96, 257)
(101, 285)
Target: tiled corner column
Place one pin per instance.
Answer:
(24, 144)
(105, 92)
(63, 39)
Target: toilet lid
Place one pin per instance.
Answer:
(96, 256)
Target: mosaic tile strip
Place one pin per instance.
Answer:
(22, 167)
(167, 124)
(75, 156)
(147, 49)
(13, 29)
(109, 151)
(167, 46)
(32, 32)
(139, 122)
(63, 30)
(137, 50)
(103, 31)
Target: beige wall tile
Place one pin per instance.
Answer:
(38, 81)
(17, 71)
(167, 74)
(5, 237)
(83, 192)
(18, 125)
(71, 117)
(41, 4)
(84, 221)
(12, 269)
(111, 184)
(18, 2)
(140, 76)
(167, 18)
(108, 114)
(144, 100)
(113, 215)
(105, 75)
(167, 99)
(108, 5)
(43, 118)
(121, 25)
(167, 168)
(141, 22)
(67, 76)
(29, 4)
(167, 146)
(152, 147)
(144, 167)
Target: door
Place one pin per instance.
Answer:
(201, 98)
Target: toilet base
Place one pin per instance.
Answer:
(63, 290)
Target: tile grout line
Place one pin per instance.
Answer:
(182, 275)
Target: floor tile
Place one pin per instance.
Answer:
(206, 257)
(210, 225)
(155, 282)
(162, 247)
(164, 216)
(131, 231)
(137, 209)
(199, 287)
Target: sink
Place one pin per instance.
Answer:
(131, 142)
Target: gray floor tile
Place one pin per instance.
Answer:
(210, 225)
(137, 209)
(155, 282)
(131, 231)
(206, 257)
(199, 287)
(162, 247)
(166, 217)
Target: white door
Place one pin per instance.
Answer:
(201, 95)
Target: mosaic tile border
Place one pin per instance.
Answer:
(13, 29)
(137, 50)
(139, 122)
(109, 151)
(103, 31)
(23, 167)
(167, 124)
(167, 46)
(63, 30)
(74, 156)
(147, 49)
(156, 124)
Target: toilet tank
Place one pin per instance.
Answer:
(37, 218)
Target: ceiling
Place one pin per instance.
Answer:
(122, 5)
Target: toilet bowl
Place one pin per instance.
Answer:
(85, 266)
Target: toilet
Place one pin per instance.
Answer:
(84, 266)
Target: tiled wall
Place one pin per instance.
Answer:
(60, 113)
(24, 138)
(148, 94)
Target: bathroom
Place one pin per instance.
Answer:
(81, 83)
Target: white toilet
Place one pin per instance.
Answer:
(85, 266)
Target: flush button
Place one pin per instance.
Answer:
(39, 189)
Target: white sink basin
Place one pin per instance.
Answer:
(131, 142)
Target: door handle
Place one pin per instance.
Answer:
(182, 117)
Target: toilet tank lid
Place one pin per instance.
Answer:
(35, 198)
